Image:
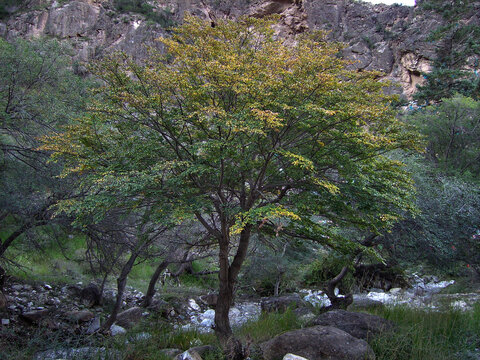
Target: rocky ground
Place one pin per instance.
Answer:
(70, 312)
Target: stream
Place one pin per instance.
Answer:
(423, 294)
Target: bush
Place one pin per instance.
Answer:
(319, 272)
(444, 234)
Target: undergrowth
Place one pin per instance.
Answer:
(428, 335)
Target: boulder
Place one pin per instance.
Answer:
(282, 303)
(170, 352)
(91, 295)
(293, 357)
(35, 317)
(359, 325)
(79, 316)
(130, 317)
(117, 330)
(317, 343)
(304, 314)
(188, 355)
(94, 325)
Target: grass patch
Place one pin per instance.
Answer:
(163, 336)
(428, 335)
(268, 326)
(58, 261)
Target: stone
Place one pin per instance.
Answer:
(317, 343)
(35, 317)
(79, 316)
(117, 330)
(293, 357)
(170, 352)
(5, 322)
(94, 325)
(282, 303)
(90, 295)
(360, 325)
(192, 304)
(188, 355)
(130, 317)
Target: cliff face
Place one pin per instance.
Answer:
(391, 39)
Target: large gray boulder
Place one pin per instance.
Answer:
(282, 303)
(130, 317)
(360, 325)
(317, 343)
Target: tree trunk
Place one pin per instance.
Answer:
(228, 276)
(338, 302)
(153, 281)
(121, 283)
(4, 246)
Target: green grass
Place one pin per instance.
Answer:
(428, 335)
(50, 262)
(163, 336)
(268, 326)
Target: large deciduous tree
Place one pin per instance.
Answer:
(235, 128)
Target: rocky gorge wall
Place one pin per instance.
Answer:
(391, 39)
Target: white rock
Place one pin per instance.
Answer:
(187, 355)
(395, 291)
(94, 325)
(209, 314)
(207, 323)
(5, 321)
(193, 305)
(459, 304)
(293, 357)
(117, 330)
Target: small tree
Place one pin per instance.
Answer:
(452, 129)
(246, 134)
(38, 93)
(455, 69)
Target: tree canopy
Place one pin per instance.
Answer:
(38, 93)
(455, 69)
(233, 127)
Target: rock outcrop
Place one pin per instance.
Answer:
(359, 325)
(317, 343)
(391, 39)
(282, 303)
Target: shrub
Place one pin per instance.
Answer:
(319, 272)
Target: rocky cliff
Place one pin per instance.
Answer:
(392, 39)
